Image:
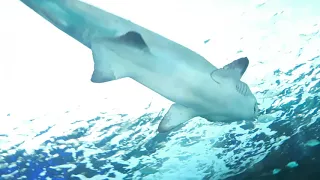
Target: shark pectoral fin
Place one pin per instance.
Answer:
(176, 116)
(133, 39)
(234, 70)
(102, 68)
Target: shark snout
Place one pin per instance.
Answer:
(251, 112)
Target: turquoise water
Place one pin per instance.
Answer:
(113, 134)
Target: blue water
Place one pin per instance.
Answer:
(114, 136)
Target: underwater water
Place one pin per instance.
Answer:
(55, 124)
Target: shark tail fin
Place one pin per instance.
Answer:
(79, 20)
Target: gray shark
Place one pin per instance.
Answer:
(121, 49)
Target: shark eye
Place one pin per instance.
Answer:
(255, 109)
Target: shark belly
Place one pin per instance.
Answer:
(172, 78)
(173, 87)
(183, 84)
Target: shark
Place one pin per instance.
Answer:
(123, 49)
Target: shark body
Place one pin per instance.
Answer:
(121, 49)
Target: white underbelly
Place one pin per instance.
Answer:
(172, 78)
(173, 86)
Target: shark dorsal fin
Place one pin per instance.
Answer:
(234, 70)
(134, 39)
